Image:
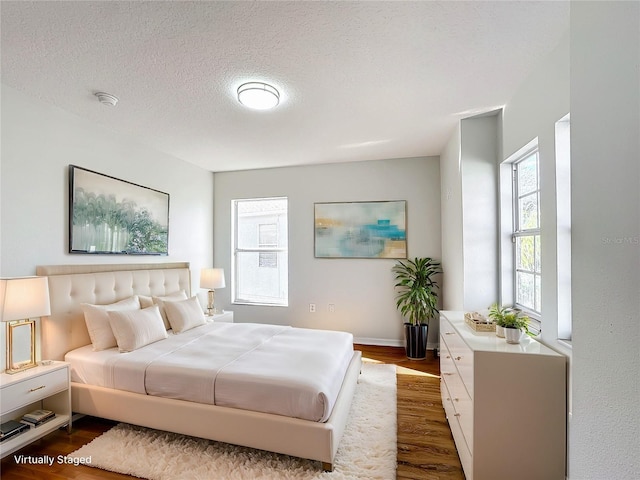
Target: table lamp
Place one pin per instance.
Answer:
(211, 278)
(21, 300)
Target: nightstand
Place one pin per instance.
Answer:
(42, 387)
(225, 317)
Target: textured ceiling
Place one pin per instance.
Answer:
(358, 80)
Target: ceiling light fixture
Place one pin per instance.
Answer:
(258, 95)
(107, 99)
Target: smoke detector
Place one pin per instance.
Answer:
(107, 99)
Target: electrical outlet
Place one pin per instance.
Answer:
(312, 307)
(332, 307)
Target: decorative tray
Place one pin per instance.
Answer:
(479, 323)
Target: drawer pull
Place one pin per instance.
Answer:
(37, 388)
(448, 356)
(456, 414)
(449, 333)
(458, 358)
(457, 399)
(447, 373)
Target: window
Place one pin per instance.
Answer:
(268, 237)
(526, 234)
(260, 257)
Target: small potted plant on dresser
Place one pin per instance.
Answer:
(496, 314)
(515, 325)
(417, 301)
(510, 323)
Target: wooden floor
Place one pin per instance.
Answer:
(425, 447)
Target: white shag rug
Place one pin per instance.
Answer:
(367, 450)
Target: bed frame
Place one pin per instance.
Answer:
(64, 330)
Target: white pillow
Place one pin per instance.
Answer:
(185, 314)
(172, 297)
(145, 302)
(97, 319)
(136, 328)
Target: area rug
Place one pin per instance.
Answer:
(367, 451)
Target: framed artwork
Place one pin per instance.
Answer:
(112, 216)
(361, 229)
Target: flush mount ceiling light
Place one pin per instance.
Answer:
(258, 95)
(107, 99)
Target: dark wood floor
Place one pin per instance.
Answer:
(425, 447)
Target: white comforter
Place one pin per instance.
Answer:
(268, 368)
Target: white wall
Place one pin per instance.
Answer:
(469, 214)
(479, 154)
(39, 141)
(605, 177)
(452, 231)
(361, 289)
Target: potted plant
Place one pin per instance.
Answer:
(496, 314)
(417, 301)
(511, 321)
(515, 324)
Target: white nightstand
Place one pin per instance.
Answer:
(225, 317)
(44, 386)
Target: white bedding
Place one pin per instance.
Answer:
(268, 368)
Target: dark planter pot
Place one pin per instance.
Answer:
(415, 341)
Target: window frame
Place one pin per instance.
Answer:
(518, 232)
(260, 249)
(261, 244)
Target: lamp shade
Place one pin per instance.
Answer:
(212, 278)
(22, 298)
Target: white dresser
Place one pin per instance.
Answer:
(506, 404)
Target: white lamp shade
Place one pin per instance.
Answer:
(22, 298)
(212, 278)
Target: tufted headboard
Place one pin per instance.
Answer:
(71, 285)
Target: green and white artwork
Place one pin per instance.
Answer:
(112, 216)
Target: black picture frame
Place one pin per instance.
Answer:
(108, 215)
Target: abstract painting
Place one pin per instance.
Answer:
(112, 216)
(361, 229)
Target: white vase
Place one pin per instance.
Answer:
(513, 335)
(500, 331)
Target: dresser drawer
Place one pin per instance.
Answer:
(460, 436)
(461, 401)
(461, 354)
(34, 388)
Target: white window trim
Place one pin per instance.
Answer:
(519, 232)
(234, 229)
(507, 245)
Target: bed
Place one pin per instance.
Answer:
(312, 433)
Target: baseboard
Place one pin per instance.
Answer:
(385, 342)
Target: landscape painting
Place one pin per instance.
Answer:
(112, 216)
(361, 229)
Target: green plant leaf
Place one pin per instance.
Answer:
(416, 287)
